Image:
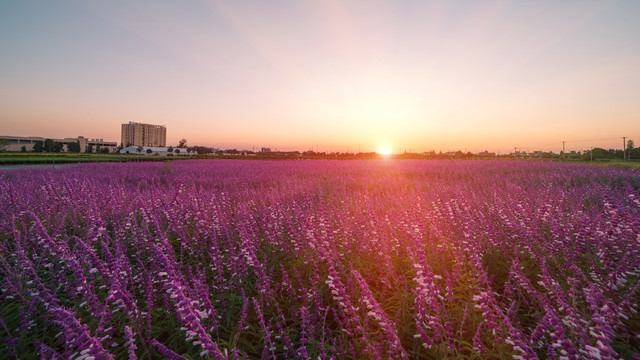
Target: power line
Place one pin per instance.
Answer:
(540, 146)
(545, 145)
(558, 143)
(615, 138)
(571, 141)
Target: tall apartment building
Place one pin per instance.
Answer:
(137, 134)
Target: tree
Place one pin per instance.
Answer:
(600, 153)
(74, 147)
(149, 151)
(105, 150)
(139, 149)
(177, 151)
(617, 154)
(23, 149)
(182, 143)
(90, 149)
(38, 147)
(170, 149)
(201, 150)
(189, 150)
(630, 144)
(49, 145)
(53, 146)
(4, 144)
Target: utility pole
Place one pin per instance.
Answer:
(624, 148)
(563, 149)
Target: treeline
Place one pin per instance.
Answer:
(632, 153)
(594, 154)
(52, 146)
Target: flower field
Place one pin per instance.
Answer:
(320, 259)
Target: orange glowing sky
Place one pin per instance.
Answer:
(327, 75)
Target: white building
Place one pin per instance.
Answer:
(16, 143)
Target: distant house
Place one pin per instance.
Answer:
(153, 150)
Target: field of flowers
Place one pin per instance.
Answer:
(320, 259)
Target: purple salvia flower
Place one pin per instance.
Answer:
(76, 336)
(130, 343)
(374, 310)
(165, 351)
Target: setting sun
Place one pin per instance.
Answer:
(386, 151)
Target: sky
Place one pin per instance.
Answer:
(326, 75)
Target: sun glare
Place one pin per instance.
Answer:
(385, 151)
